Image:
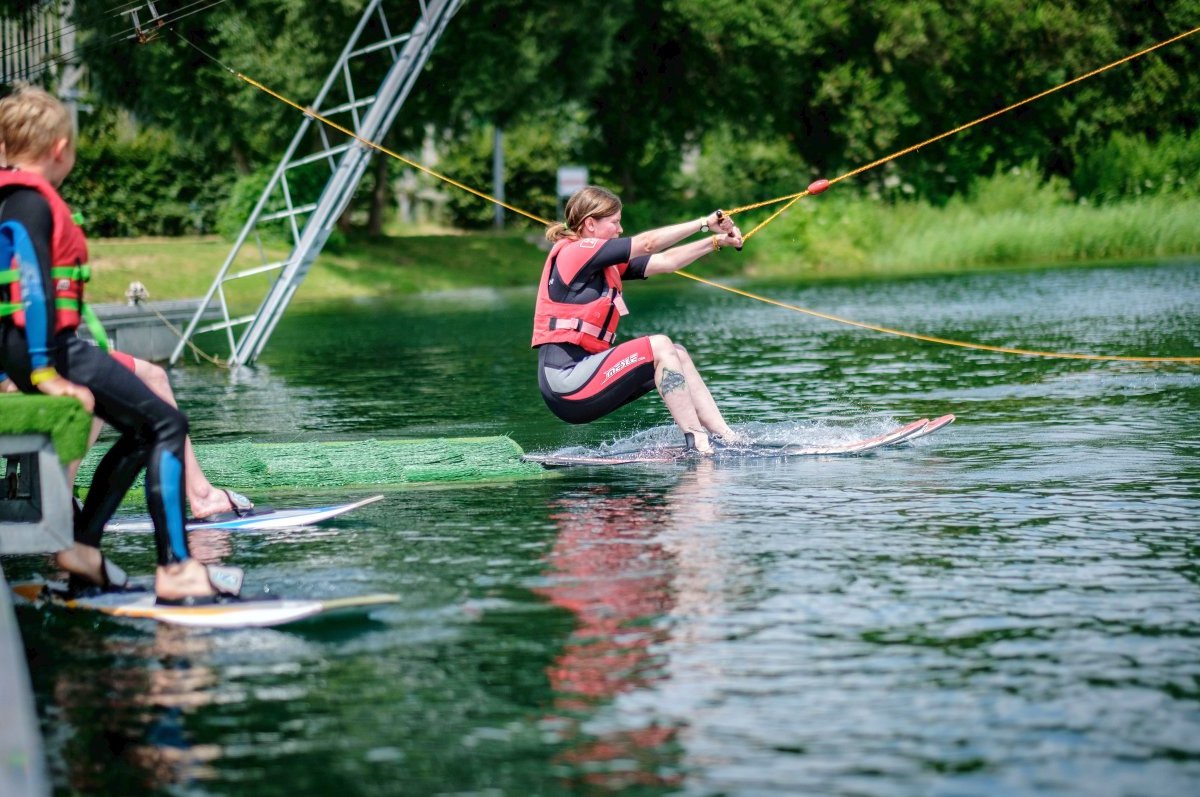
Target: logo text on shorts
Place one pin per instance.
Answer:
(618, 367)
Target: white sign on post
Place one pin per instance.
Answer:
(571, 179)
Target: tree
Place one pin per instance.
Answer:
(179, 78)
(637, 83)
(850, 83)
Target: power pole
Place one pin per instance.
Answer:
(38, 46)
(72, 72)
(498, 175)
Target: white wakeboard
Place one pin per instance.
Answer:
(257, 520)
(245, 614)
(901, 434)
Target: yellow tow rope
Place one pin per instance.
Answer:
(943, 341)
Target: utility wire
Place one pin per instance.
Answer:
(132, 32)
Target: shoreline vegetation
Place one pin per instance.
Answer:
(1103, 171)
(1004, 226)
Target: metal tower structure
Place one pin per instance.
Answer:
(289, 207)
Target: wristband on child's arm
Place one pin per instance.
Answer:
(40, 375)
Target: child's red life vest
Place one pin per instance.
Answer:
(68, 258)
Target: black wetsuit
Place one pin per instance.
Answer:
(153, 433)
(579, 386)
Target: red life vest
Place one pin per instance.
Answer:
(68, 258)
(591, 325)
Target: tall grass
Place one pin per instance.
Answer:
(1010, 219)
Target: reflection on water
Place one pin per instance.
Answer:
(1006, 607)
(614, 569)
(121, 712)
(181, 686)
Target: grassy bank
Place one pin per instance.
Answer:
(176, 268)
(826, 237)
(1004, 222)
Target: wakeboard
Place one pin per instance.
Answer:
(244, 614)
(256, 520)
(901, 434)
(931, 427)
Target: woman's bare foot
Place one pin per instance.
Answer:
(730, 437)
(698, 440)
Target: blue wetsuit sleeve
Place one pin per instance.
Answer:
(29, 228)
(37, 320)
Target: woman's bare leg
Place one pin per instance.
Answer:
(93, 435)
(671, 378)
(702, 400)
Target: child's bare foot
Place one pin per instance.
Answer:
(216, 501)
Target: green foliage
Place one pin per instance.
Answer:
(304, 186)
(243, 196)
(144, 184)
(850, 83)
(1131, 165)
(735, 170)
(533, 151)
(630, 67)
(1058, 233)
(647, 214)
(1012, 218)
(835, 235)
(180, 80)
(767, 91)
(1018, 189)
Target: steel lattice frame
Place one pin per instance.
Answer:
(309, 223)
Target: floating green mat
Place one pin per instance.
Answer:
(63, 419)
(257, 467)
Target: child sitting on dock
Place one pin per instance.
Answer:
(206, 501)
(41, 292)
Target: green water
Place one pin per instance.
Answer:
(1011, 606)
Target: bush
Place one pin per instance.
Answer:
(731, 171)
(1014, 217)
(1132, 165)
(533, 151)
(304, 184)
(144, 184)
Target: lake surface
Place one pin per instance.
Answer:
(1010, 606)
